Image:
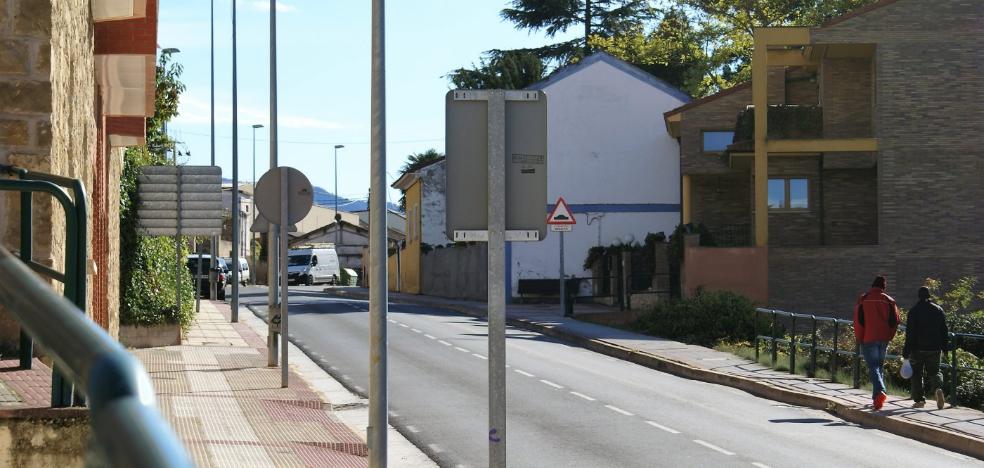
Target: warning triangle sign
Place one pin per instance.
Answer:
(561, 213)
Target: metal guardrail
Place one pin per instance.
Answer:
(128, 428)
(812, 344)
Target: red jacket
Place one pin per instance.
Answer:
(876, 317)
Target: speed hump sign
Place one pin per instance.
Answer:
(561, 218)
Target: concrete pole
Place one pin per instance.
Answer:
(284, 306)
(214, 245)
(497, 279)
(234, 304)
(563, 282)
(272, 235)
(378, 305)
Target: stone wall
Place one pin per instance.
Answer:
(47, 113)
(850, 206)
(459, 272)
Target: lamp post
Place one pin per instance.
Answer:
(252, 251)
(338, 217)
(214, 244)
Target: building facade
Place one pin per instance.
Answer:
(866, 159)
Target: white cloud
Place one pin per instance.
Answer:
(261, 5)
(195, 111)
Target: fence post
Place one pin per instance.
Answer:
(833, 357)
(813, 350)
(954, 342)
(755, 339)
(792, 346)
(775, 351)
(857, 365)
(26, 255)
(627, 280)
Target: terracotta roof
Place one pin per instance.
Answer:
(706, 99)
(858, 12)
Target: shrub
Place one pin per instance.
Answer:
(704, 319)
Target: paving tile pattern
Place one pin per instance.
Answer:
(20, 388)
(229, 409)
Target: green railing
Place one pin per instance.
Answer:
(811, 341)
(74, 277)
(128, 429)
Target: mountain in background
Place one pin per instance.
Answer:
(326, 199)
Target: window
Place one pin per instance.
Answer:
(789, 194)
(716, 141)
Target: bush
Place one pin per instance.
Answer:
(704, 319)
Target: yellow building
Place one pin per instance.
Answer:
(404, 261)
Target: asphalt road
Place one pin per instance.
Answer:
(569, 407)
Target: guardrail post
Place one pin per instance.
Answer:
(857, 365)
(775, 350)
(26, 255)
(792, 346)
(813, 350)
(954, 344)
(834, 356)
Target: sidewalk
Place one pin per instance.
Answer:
(958, 429)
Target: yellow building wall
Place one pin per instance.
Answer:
(409, 264)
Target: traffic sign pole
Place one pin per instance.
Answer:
(284, 306)
(563, 283)
(496, 279)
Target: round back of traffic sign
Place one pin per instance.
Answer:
(300, 194)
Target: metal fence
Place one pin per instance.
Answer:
(128, 429)
(811, 341)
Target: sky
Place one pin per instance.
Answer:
(323, 54)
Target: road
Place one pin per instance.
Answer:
(569, 407)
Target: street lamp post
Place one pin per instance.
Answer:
(236, 208)
(338, 217)
(252, 250)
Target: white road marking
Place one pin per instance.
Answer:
(581, 395)
(662, 427)
(522, 372)
(346, 377)
(359, 389)
(415, 330)
(435, 448)
(445, 343)
(404, 325)
(760, 465)
(432, 337)
(462, 349)
(480, 356)
(392, 321)
(413, 429)
(551, 384)
(713, 447)
(619, 410)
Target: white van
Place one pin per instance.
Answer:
(312, 265)
(244, 273)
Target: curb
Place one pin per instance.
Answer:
(939, 437)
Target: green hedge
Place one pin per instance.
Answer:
(704, 319)
(784, 122)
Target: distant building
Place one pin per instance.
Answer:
(350, 241)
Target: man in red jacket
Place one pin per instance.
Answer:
(876, 318)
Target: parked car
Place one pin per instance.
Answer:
(244, 273)
(310, 266)
(221, 269)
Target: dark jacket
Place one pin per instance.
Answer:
(925, 329)
(876, 317)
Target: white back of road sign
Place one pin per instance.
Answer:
(561, 214)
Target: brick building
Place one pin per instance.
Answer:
(76, 84)
(867, 159)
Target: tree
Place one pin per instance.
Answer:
(511, 69)
(414, 163)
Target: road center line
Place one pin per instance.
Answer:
(435, 448)
(619, 410)
(662, 427)
(413, 429)
(760, 465)
(445, 343)
(415, 330)
(551, 384)
(462, 349)
(522, 372)
(581, 395)
(713, 447)
(480, 356)
(404, 325)
(432, 337)
(392, 321)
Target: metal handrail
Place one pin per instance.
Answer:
(814, 347)
(127, 426)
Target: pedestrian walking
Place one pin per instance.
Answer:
(876, 319)
(926, 337)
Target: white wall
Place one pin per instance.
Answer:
(433, 209)
(606, 145)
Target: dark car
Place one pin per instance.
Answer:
(222, 273)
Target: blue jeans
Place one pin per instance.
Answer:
(874, 356)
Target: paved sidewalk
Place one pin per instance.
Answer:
(229, 410)
(954, 428)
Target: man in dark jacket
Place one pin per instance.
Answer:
(876, 318)
(926, 337)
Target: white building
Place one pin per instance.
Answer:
(610, 157)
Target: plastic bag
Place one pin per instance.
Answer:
(906, 370)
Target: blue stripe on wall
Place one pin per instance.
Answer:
(622, 208)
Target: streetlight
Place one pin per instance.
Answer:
(252, 251)
(338, 217)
